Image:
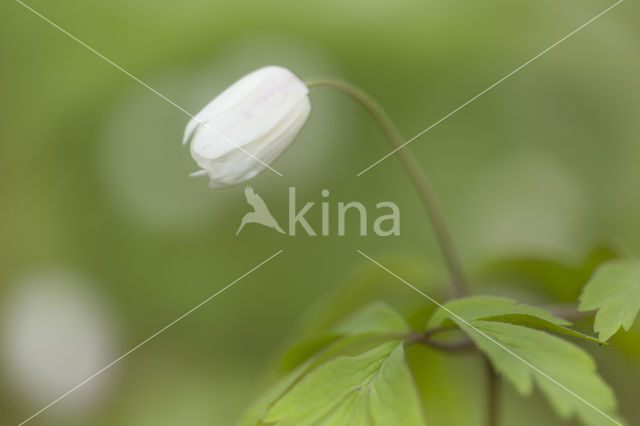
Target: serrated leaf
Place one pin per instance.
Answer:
(614, 290)
(567, 364)
(373, 388)
(508, 344)
(371, 326)
(347, 345)
(541, 324)
(475, 307)
(258, 409)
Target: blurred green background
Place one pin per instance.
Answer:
(104, 238)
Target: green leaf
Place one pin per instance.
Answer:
(567, 364)
(258, 409)
(371, 326)
(509, 333)
(475, 307)
(302, 351)
(348, 345)
(374, 318)
(373, 388)
(541, 324)
(614, 290)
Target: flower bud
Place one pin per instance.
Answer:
(248, 126)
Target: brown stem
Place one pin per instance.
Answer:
(567, 311)
(426, 339)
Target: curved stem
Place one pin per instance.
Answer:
(414, 171)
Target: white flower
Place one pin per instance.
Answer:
(248, 126)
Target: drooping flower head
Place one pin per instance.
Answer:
(248, 126)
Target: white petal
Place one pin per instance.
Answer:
(253, 116)
(237, 166)
(249, 124)
(226, 99)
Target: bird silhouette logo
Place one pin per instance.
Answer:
(260, 213)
